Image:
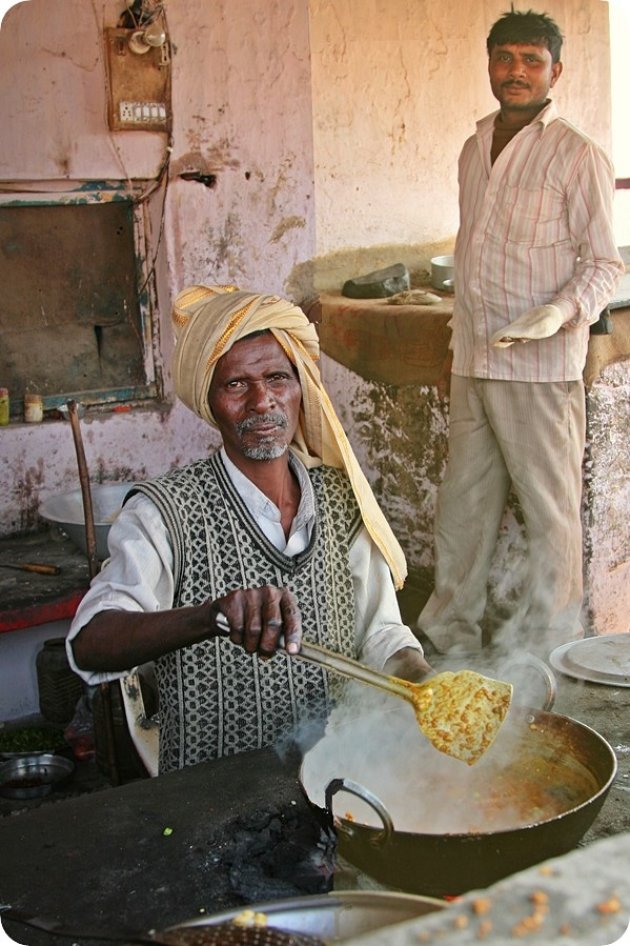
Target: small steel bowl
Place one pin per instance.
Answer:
(442, 270)
(34, 775)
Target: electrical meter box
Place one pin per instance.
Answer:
(139, 84)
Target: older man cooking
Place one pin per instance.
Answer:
(278, 532)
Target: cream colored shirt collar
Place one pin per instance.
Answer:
(267, 515)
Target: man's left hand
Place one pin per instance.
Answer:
(408, 663)
(541, 322)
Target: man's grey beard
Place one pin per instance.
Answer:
(264, 451)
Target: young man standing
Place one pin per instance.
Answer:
(535, 263)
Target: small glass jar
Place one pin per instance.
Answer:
(4, 407)
(33, 408)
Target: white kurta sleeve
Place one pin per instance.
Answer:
(379, 630)
(138, 575)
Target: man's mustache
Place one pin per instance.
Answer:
(512, 84)
(250, 423)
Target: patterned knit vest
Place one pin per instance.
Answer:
(215, 699)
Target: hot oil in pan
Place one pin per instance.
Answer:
(530, 779)
(532, 790)
(530, 774)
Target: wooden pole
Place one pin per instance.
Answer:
(84, 479)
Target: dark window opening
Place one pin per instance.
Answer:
(73, 323)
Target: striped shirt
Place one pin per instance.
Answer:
(535, 228)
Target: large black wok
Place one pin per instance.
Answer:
(438, 827)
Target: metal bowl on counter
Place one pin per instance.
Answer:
(34, 775)
(334, 917)
(442, 272)
(66, 511)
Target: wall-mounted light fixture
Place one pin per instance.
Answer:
(151, 37)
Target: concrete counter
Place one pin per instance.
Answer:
(158, 851)
(391, 344)
(30, 599)
(162, 851)
(407, 344)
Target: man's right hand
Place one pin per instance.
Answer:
(258, 618)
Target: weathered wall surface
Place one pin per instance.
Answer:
(608, 501)
(399, 435)
(242, 111)
(40, 460)
(327, 133)
(241, 116)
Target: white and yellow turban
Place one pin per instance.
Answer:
(208, 320)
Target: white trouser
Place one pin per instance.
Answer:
(531, 437)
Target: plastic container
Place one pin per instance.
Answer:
(33, 408)
(60, 689)
(4, 407)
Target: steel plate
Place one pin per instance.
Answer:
(335, 917)
(603, 659)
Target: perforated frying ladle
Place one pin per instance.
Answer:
(459, 713)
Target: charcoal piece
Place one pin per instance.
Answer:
(275, 853)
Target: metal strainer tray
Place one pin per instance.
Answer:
(604, 659)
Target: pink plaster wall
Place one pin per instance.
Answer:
(241, 111)
(332, 128)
